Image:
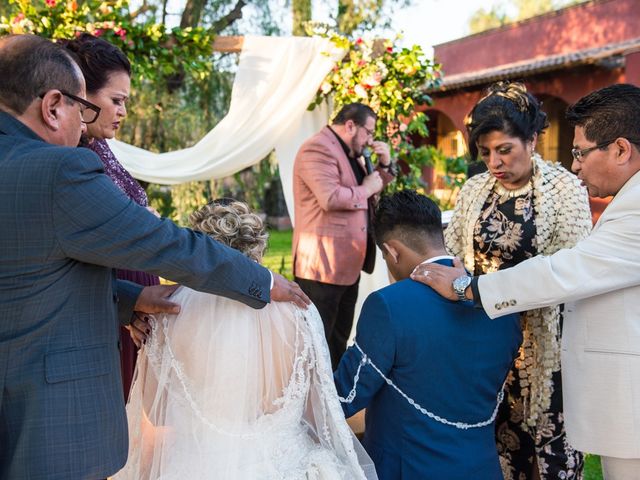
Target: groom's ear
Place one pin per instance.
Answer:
(391, 250)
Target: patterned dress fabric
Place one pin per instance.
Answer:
(132, 189)
(493, 231)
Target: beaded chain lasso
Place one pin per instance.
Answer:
(460, 425)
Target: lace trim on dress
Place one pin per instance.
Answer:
(287, 430)
(459, 425)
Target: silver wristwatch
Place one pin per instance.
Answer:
(459, 285)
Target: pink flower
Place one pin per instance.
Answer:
(121, 32)
(18, 18)
(98, 32)
(51, 3)
(359, 41)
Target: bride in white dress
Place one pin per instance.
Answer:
(223, 391)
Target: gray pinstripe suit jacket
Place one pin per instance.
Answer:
(63, 227)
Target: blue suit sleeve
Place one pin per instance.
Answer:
(377, 339)
(128, 293)
(95, 223)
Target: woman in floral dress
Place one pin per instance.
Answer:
(107, 72)
(521, 207)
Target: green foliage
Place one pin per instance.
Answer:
(453, 172)
(592, 467)
(482, 19)
(365, 15)
(151, 47)
(278, 258)
(252, 182)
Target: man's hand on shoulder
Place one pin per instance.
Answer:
(440, 277)
(284, 290)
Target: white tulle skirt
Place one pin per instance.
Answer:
(223, 391)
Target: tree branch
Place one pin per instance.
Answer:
(229, 18)
(144, 8)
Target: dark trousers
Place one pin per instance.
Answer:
(336, 304)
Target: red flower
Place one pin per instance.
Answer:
(361, 63)
(121, 32)
(98, 32)
(359, 41)
(51, 3)
(390, 49)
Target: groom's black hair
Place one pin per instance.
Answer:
(410, 217)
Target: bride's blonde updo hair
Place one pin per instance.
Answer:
(232, 223)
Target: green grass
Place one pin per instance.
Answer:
(592, 468)
(278, 255)
(278, 259)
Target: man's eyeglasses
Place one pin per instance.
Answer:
(88, 111)
(578, 154)
(370, 133)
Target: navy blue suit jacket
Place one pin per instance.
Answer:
(64, 225)
(447, 356)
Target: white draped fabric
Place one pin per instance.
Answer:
(277, 79)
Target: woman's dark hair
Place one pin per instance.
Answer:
(97, 59)
(508, 108)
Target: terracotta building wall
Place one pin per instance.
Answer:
(579, 27)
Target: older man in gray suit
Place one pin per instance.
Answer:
(64, 226)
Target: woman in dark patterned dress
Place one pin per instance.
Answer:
(522, 207)
(107, 72)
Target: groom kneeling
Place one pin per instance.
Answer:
(428, 370)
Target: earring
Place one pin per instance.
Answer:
(534, 166)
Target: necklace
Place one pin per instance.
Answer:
(505, 193)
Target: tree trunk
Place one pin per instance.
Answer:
(345, 13)
(301, 14)
(192, 13)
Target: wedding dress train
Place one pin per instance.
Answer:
(223, 391)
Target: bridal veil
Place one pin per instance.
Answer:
(223, 391)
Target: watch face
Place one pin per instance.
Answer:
(461, 283)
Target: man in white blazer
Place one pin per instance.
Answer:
(598, 280)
